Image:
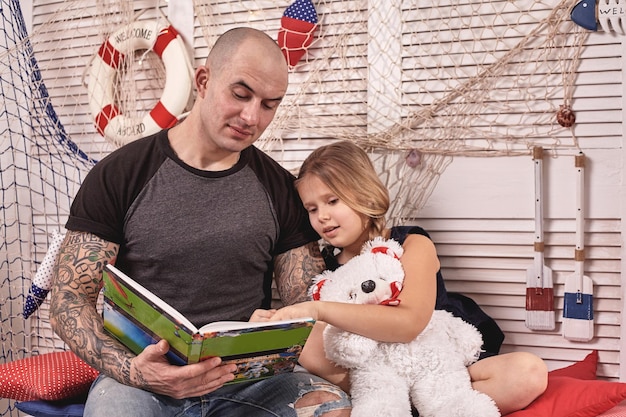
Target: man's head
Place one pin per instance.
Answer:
(240, 87)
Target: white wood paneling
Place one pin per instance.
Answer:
(27, 12)
(487, 259)
(621, 201)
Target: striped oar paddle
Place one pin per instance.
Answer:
(539, 289)
(578, 299)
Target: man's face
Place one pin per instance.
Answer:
(242, 97)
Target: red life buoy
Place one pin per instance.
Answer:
(169, 46)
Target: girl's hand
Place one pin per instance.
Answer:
(296, 311)
(262, 315)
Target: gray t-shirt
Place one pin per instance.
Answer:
(201, 240)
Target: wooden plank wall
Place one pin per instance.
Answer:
(483, 225)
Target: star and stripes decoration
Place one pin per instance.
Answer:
(42, 282)
(297, 27)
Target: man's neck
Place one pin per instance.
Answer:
(197, 154)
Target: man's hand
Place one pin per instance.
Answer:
(151, 371)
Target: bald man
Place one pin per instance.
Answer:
(204, 219)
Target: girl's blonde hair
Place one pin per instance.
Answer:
(346, 169)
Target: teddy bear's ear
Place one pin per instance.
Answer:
(316, 288)
(385, 246)
(384, 250)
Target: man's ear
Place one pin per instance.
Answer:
(202, 79)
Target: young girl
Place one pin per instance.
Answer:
(347, 204)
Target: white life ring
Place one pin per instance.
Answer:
(169, 46)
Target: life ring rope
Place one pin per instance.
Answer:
(167, 44)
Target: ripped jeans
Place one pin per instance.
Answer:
(269, 397)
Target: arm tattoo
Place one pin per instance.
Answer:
(74, 293)
(294, 270)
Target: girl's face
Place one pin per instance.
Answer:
(331, 218)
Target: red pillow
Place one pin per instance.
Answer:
(585, 369)
(618, 411)
(571, 397)
(51, 376)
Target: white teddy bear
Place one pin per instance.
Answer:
(430, 372)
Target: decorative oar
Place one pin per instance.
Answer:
(539, 290)
(578, 299)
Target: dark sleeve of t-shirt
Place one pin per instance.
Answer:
(111, 186)
(295, 228)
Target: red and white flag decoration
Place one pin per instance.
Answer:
(297, 27)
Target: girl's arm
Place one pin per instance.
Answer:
(401, 323)
(315, 361)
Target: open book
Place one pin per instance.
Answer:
(138, 318)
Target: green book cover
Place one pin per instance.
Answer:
(137, 318)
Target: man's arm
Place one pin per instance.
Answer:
(73, 316)
(294, 270)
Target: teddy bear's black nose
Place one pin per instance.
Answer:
(368, 286)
